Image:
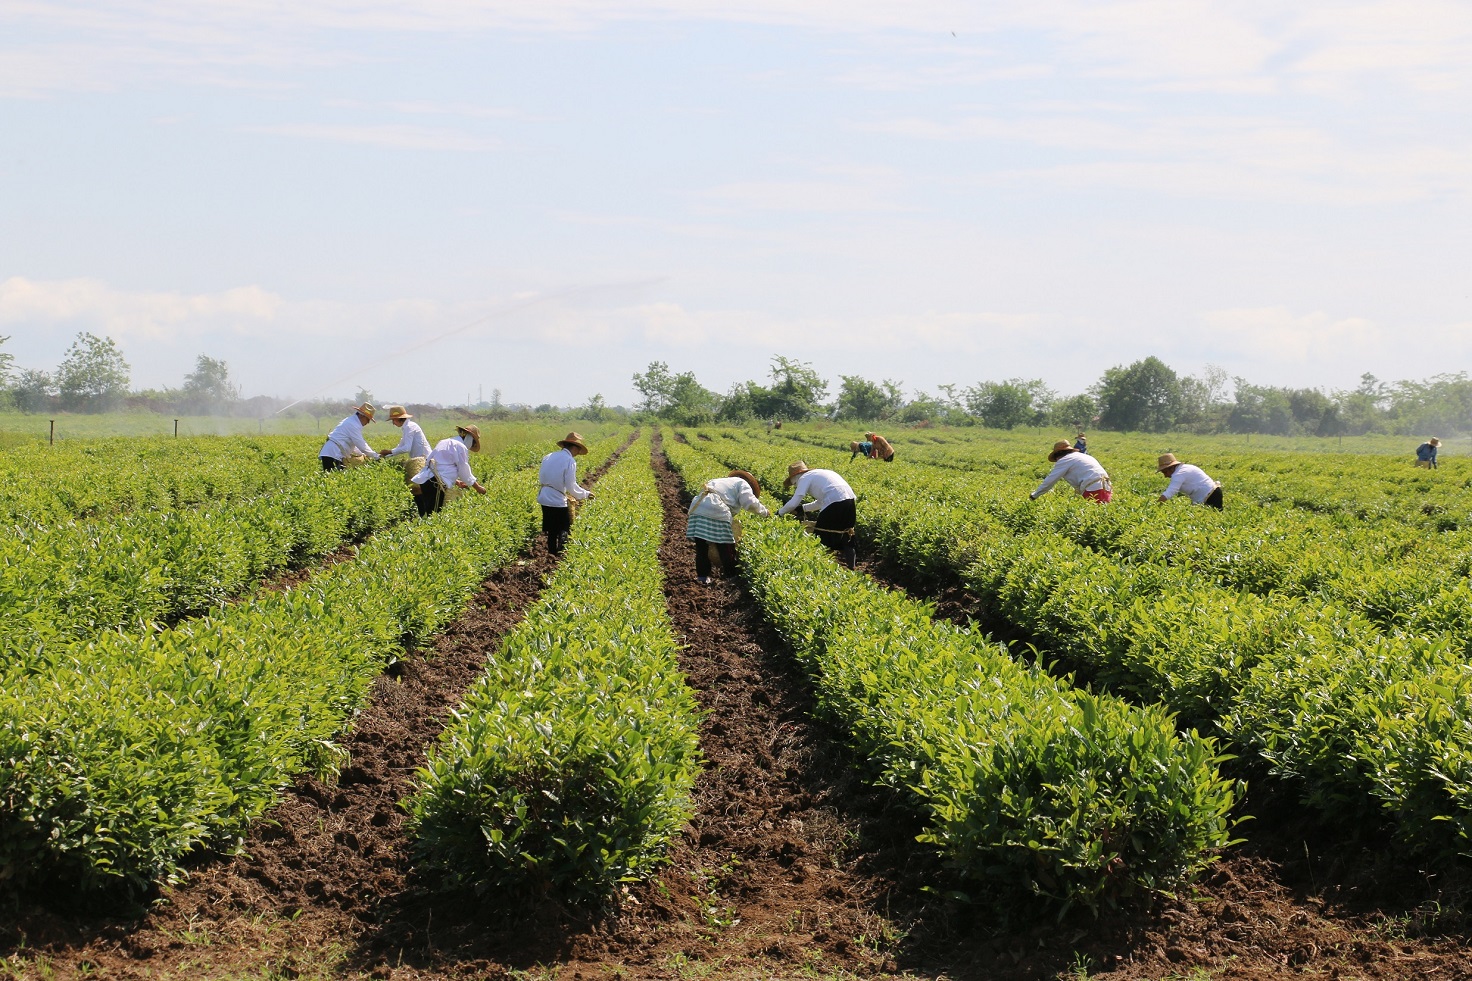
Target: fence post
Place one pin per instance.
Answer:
(52, 441)
(176, 428)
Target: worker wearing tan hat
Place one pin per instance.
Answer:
(712, 524)
(1426, 453)
(413, 444)
(559, 477)
(345, 445)
(447, 471)
(834, 502)
(1077, 469)
(1189, 480)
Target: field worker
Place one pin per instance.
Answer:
(1081, 443)
(412, 443)
(1426, 454)
(881, 448)
(1079, 470)
(447, 471)
(857, 448)
(712, 519)
(559, 477)
(833, 499)
(345, 444)
(1189, 480)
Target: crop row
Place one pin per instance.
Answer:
(1020, 779)
(135, 750)
(569, 766)
(1360, 722)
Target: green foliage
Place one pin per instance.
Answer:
(1146, 396)
(861, 399)
(569, 765)
(93, 376)
(1024, 782)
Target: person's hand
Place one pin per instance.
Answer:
(480, 488)
(461, 483)
(383, 453)
(590, 495)
(1032, 497)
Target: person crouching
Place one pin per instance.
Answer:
(447, 471)
(1077, 469)
(1189, 480)
(712, 522)
(833, 499)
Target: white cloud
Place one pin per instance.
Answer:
(387, 135)
(86, 304)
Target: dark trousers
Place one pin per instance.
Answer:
(431, 497)
(329, 463)
(557, 526)
(702, 556)
(840, 517)
(1214, 499)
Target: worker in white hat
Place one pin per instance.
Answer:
(345, 445)
(1189, 480)
(413, 444)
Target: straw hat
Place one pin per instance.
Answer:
(1166, 461)
(474, 436)
(366, 409)
(756, 488)
(795, 471)
(1434, 441)
(853, 445)
(1061, 448)
(870, 435)
(396, 412)
(574, 444)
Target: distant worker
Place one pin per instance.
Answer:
(413, 444)
(447, 471)
(1426, 454)
(1081, 443)
(1079, 470)
(882, 450)
(1189, 480)
(833, 499)
(559, 477)
(345, 444)
(857, 449)
(712, 519)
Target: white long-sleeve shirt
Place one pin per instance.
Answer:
(1191, 481)
(723, 497)
(346, 439)
(559, 477)
(413, 442)
(450, 461)
(825, 486)
(1079, 470)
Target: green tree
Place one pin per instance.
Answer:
(208, 387)
(1144, 397)
(1005, 404)
(859, 398)
(678, 398)
(796, 393)
(1076, 412)
(7, 363)
(33, 391)
(93, 377)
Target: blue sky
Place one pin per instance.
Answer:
(928, 192)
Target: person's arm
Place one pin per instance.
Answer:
(799, 491)
(748, 501)
(405, 441)
(1174, 487)
(570, 481)
(356, 440)
(1050, 480)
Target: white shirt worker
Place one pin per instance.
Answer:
(1079, 470)
(450, 461)
(1191, 481)
(413, 441)
(559, 478)
(346, 439)
(825, 486)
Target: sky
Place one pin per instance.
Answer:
(440, 199)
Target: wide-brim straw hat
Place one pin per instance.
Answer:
(1166, 461)
(398, 412)
(366, 409)
(871, 435)
(1061, 448)
(756, 488)
(795, 471)
(574, 444)
(1434, 441)
(474, 436)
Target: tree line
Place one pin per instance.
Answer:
(1145, 396)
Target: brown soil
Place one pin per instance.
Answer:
(792, 866)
